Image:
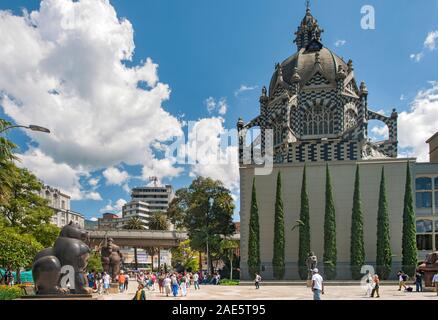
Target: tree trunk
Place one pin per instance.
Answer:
(159, 259)
(152, 260)
(18, 274)
(200, 263)
(231, 266)
(135, 259)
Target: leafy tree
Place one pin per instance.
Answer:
(304, 235)
(330, 250)
(17, 250)
(228, 247)
(278, 258)
(46, 234)
(95, 262)
(185, 256)
(357, 249)
(135, 223)
(254, 235)
(177, 209)
(207, 209)
(7, 167)
(158, 221)
(384, 255)
(409, 243)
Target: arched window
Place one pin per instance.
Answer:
(318, 121)
(350, 119)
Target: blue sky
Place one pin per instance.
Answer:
(212, 48)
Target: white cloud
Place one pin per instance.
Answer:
(244, 88)
(340, 43)
(220, 106)
(419, 124)
(116, 208)
(58, 175)
(114, 176)
(431, 39)
(430, 44)
(94, 219)
(210, 154)
(402, 97)
(380, 132)
(65, 71)
(94, 182)
(417, 56)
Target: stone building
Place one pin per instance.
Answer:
(319, 115)
(60, 203)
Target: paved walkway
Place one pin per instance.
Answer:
(210, 292)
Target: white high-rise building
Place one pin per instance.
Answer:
(148, 200)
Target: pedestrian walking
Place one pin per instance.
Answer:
(106, 282)
(99, 283)
(175, 286)
(126, 283)
(419, 281)
(183, 286)
(196, 281)
(402, 278)
(121, 281)
(376, 286)
(257, 280)
(317, 284)
(167, 283)
(435, 282)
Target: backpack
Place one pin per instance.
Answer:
(405, 277)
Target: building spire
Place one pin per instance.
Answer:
(308, 30)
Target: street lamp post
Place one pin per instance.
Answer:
(210, 202)
(30, 127)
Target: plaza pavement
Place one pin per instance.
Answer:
(211, 292)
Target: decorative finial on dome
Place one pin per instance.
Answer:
(296, 77)
(240, 124)
(394, 114)
(350, 65)
(264, 91)
(264, 97)
(341, 73)
(308, 6)
(363, 88)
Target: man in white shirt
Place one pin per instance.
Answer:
(196, 281)
(317, 284)
(435, 282)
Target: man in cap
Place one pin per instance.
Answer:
(317, 284)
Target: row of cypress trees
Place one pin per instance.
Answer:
(357, 249)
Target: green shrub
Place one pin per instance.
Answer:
(10, 293)
(228, 282)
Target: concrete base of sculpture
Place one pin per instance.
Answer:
(428, 276)
(114, 288)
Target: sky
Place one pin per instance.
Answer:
(119, 81)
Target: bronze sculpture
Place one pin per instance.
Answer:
(111, 258)
(53, 265)
(429, 267)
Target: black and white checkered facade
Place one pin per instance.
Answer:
(315, 109)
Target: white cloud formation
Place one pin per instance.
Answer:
(244, 88)
(431, 39)
(419, 124)
(430, 44)
(417, 56)
(116, 208)
(114, 176)
(211, 155)
(60, 176)
(340, 43)
(220, 106)
(94, 219)
(402, 97)
(380, 132)
(94, 182)
(66, 71)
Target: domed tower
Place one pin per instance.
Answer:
(315, 108)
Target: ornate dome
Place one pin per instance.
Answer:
(304, 61)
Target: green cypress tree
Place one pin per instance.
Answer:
(384, 255)
(409, 243)
(254, 235)
(304, 235)
(278, 258)
(357, 250)
(330, 251)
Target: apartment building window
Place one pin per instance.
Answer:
(427, 235)
(423, 195)
(62, 204)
